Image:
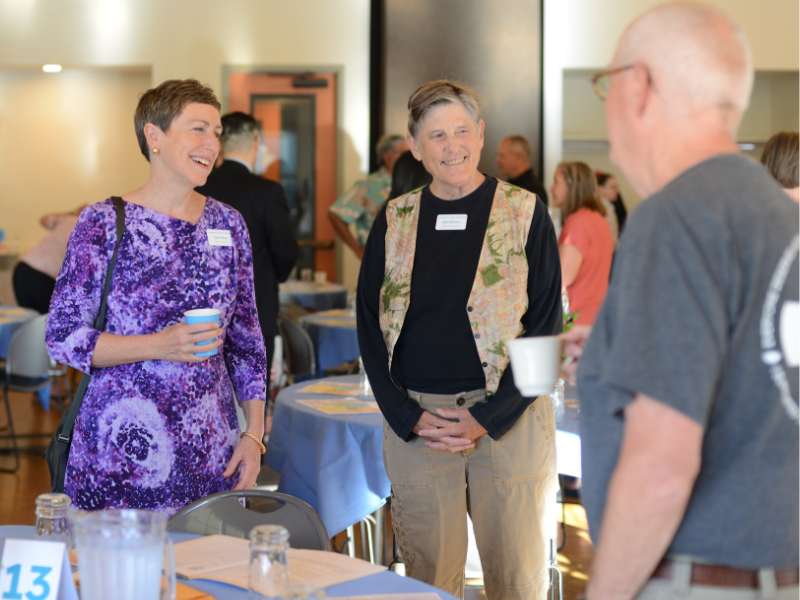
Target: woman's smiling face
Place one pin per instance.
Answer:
(449, 143)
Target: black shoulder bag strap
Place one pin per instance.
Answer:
(58, 451)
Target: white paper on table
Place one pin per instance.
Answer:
(323, 569)
(333, 387)
(225, 558)
(341, 406)
(212, 556)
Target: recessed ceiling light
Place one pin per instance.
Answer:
(52, 68)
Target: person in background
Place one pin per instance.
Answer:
(359, 205)
(585, 245)
(781, 156)
(451, 273)
(34, 275)
(262, 203)
(688, 383)
(608, 191)
(157, 428)
(514, 163)
(408, 174)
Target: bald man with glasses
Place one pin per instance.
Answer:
(689, 381)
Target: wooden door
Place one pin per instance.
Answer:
(298, 117)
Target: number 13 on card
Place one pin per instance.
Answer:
(31, 570)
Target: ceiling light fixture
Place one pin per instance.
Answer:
(51, 68)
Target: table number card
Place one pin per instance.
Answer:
(32, 570)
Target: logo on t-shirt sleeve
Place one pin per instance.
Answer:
(780, 324)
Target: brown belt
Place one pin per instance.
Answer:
(722, 576)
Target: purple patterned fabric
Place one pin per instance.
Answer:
(156, 434)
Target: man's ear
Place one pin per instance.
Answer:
(640, 89)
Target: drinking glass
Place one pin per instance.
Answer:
(269, 571)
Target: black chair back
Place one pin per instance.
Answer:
(298, 350)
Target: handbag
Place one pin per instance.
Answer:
(57, 452)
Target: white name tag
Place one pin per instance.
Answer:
(219, 237)
(451, 222)
(33, 569)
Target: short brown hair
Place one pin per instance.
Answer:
(161, 104)
(581, 189)
(781, 155)
(440, 91)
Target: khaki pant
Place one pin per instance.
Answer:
(679, 587)
(507, 486)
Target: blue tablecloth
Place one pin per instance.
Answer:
(312, 295)
(11, 317)
(334, 335)
(380, 583)
(333, 462)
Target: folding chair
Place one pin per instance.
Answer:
(298, 350)
(236, 513)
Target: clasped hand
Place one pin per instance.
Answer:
(449, 429)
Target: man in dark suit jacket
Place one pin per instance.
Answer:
(263, 205)
(514, 164)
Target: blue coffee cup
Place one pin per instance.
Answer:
(203, 315)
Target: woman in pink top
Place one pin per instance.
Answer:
(586, 244)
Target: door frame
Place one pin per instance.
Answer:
(262, 69)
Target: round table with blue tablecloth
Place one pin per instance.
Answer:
(334, 335)
(332, 461)
(379, 583)
(335, 461)
(312, 295)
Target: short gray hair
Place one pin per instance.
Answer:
(434, 93)
(386, 143)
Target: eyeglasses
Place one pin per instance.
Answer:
(600, 80)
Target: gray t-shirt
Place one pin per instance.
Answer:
(702, 315)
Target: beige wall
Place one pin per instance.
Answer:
(195, 38)
(65, 140)
(580, 36)
(773, 107)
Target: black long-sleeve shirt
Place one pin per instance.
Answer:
(436, 350)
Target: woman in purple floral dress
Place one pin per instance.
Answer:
(158, 428)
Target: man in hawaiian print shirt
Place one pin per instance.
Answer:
(359, 205)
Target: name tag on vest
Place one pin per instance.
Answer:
(219, 237)
(451, 222)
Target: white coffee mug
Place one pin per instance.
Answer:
(536, 363)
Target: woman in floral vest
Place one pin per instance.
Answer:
(452, 272)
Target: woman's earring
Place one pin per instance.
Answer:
(155, 150)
